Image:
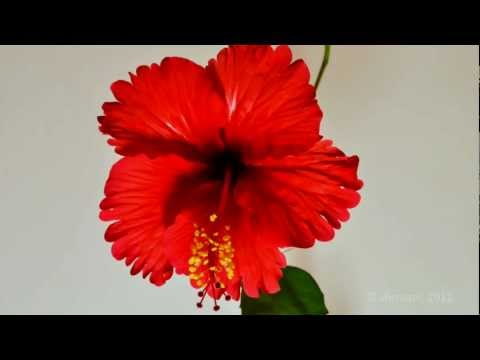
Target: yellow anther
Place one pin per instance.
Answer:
(212, 253)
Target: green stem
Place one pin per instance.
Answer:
(326, 57)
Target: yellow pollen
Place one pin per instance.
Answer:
(211, 260)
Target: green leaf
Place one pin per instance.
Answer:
(299, 295)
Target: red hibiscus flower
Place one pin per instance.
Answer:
(223, 166)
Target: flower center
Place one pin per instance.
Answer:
(211, 265)
(228, 159)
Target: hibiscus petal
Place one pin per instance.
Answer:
(179, 239)
(167, 108)
(272, 107)
(259, 262)
(304, 197)
(136, 193)
(191, 204)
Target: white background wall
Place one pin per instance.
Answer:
(409, 112)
